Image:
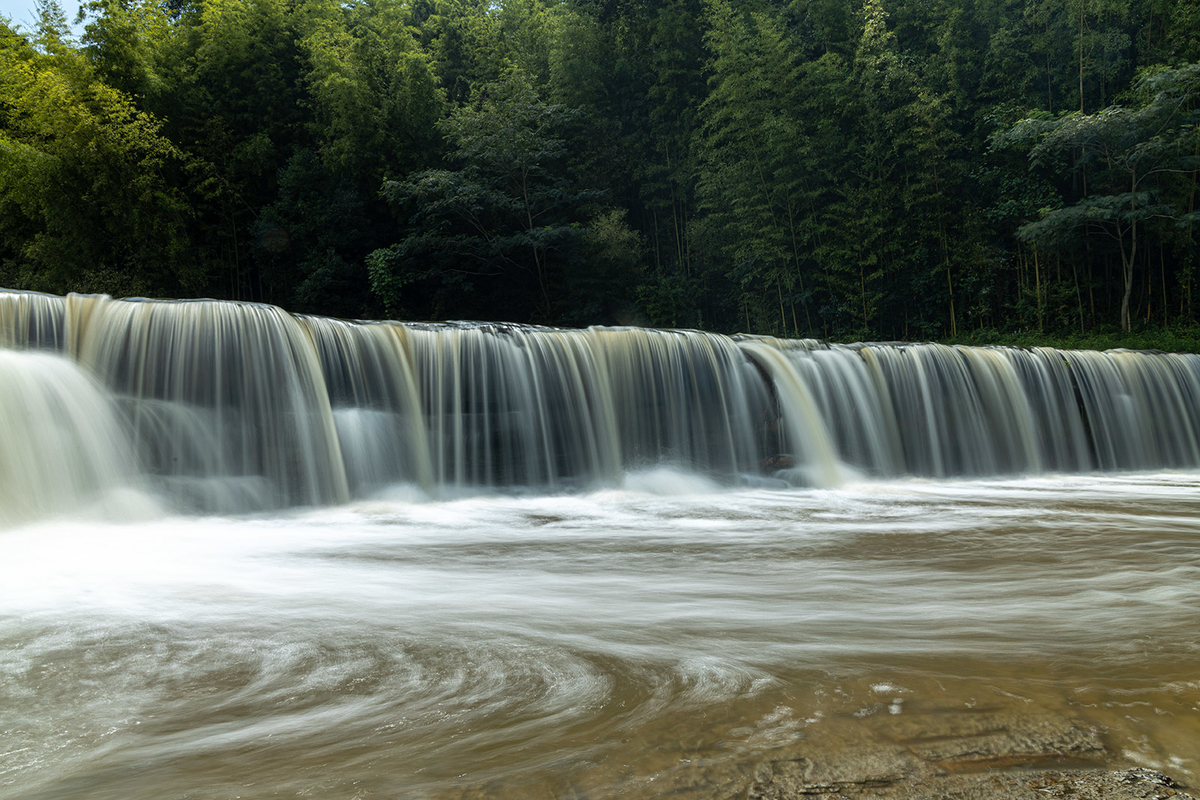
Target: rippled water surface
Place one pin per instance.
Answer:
(625, 643)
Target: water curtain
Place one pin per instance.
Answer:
(234, 407)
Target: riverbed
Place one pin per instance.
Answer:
(649, 639)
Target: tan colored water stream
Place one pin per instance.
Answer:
(659, 640)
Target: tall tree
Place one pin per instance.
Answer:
(860, 258)
(755, 183)
(1132, 155)
(373, 93)
(505, 224)
(84, 205)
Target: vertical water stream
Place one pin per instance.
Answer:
(233, 407)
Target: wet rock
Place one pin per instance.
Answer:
(836, 774)
(1092, 784)
(964, 756)
(975, 741)
(1140, 783)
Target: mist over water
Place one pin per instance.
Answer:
(245, 554)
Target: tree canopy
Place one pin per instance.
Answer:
(877, 169)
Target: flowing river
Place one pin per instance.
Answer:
(239, 561)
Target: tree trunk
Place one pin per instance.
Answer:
(782, 315)
(1128, 268)
(1037, 278)
(1127, 261)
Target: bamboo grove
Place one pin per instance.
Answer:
(879, 169)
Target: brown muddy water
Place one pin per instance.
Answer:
(653, 640)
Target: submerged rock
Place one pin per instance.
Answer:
(1125, 784)
(963, 756)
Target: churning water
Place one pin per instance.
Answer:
(244, 554)
(623, 643)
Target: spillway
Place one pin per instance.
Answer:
(221, 407)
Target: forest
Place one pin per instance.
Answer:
(845, 169)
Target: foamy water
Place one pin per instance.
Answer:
(601, 644)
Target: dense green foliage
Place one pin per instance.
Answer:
(881, 169)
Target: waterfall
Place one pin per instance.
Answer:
(221, 407)
(61, 444)
(805, 426)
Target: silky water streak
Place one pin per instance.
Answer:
(236, 407)
(250, 554)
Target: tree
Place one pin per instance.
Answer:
(84, 202)
(51, 33)
(755, 179)
(373, 93)
(311, 243)
(122, 40)
(861, 254)
(499, 232)
(1132, 155)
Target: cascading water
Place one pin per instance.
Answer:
(62, 444)
(232, 407)
(508, 561)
